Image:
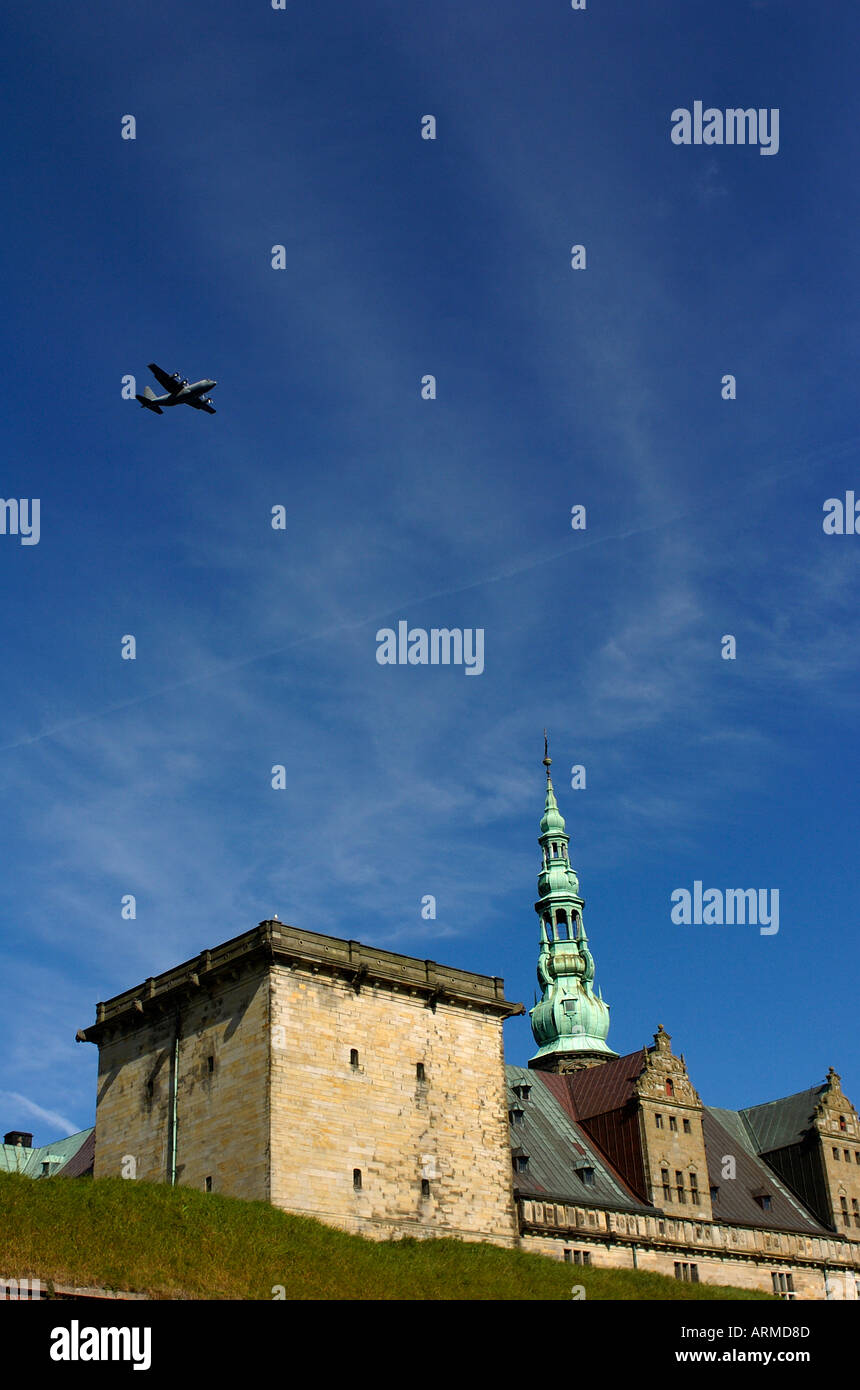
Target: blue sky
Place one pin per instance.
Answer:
(555, 387)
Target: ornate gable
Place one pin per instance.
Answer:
(664, 1076)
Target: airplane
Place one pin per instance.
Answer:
(179, 392)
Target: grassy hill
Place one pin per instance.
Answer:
(181, 1243)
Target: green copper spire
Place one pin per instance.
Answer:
(570, 1022)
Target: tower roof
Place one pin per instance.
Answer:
(552, 822)
(570, 1022)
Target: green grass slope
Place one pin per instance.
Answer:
(180, 1243)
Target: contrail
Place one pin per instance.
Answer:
(49, 1117)
(570, 550)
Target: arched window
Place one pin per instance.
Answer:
(555, 851)
(670, 1086)
(561, 925)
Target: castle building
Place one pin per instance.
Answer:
(369, 1090)
(70, 1157)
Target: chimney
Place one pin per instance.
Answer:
(19, 1137)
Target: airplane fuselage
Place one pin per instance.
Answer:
(197, 388)
(178, 391)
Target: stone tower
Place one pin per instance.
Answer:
(334, 1080)
(570, 1022)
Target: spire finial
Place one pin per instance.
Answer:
(546, 758)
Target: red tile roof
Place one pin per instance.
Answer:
(596, 1090)
(80, 1165)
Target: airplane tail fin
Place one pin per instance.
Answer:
(148, 399)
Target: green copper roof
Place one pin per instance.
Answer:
(570, 1018)
(14, 1158)
(552, 821)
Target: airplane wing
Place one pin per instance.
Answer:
(168, 382)
(198, 405)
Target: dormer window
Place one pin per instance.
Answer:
(523, 1091)
(586, 1174)
(517, 1116)
(764, 1200)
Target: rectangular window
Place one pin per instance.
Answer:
(687, 1127)
(353, 1057)
(679, 1184)
(425, 1187)
(673, 1123)
(846, 1154)
(694, 1274)
(836, 1154)
(210, 1062)
(419, 1072)
(568, 1257)
(667, 1191)
(356, 1179)
(694, 1188)
(658, 1121)
(208, 1184)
